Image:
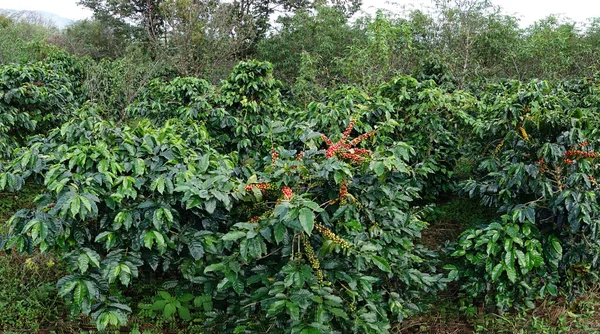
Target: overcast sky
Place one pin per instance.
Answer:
(527, 10)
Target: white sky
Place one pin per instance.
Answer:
(65, 8)
(528, 10)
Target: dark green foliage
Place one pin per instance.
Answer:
(316, 249)
(509, 263)
(251, 107)
(94, 39)
(539, 164)
(324, 35)
(435, 123)
(164, 98)
(36, 97)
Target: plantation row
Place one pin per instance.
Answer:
(259, 212)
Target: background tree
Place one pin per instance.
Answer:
(95, 39)
(142, 18)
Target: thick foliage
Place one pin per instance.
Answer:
(260, 212)
(539, 165)
(182, 98)
(110, 189)
(435, 123)
(34, 98)
(314, 234)
(507, 263)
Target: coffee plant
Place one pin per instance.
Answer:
(164, 98)
(506, 262)
(33, 99)
(446, 116)
(318, 234)
(540, 163)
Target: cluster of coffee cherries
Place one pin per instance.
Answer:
(572, 155)
(334, 148)
(593, 180)
(274, 156)
(312, 259)
(362, 137)
(332, 236)
(287, 193)
(541, 162)
(344, 148)
(343, 192)
(261, 186)
(298, 158)
(254, 219)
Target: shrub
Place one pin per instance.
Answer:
(33, 99)
(322, 239)
(509, 263)
(539, 162)
(164, 98)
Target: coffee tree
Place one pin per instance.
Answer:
(311, 231)
(34, 98)
(539, 165)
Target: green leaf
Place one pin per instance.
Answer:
(379, 168)
(556, 246)
(210, 205)
(79, 294)
(83, 262)
(187, 297)
(196, 249)
(497, 271)
(338, 312)
(276, 308)
(530, 214)
(149, 239)
(159, 305)
(313, 206)
(293, 310)
(160, 185)
(381, 263)
(307, 219)
(214, 267)
(237, 285)
(75, 206)
(164, 295)
(338, 176)
(139, 166)
(203, 164)
(233, 235)
(279, 231)
(169, 310)
(511, 272)
(522, 260)
(552, 289)
(184, 313)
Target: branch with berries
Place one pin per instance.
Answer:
(345, 149)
